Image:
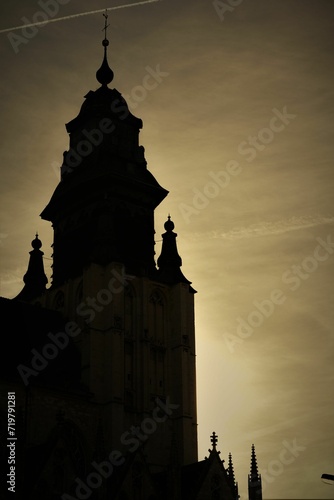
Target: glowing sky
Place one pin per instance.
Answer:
(238, 126)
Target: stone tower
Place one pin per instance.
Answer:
(135, 314)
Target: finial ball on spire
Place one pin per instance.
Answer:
(36, 243)
(169, 224)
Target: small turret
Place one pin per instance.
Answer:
(169, 262)
(35, 279)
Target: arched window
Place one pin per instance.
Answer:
(137, 480)
(129, 312)
(156, 333)
(157, 317)
(129, 345)
(63, 460)
(73, 438)
(79, 293)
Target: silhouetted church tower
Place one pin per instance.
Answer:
(137, 339)
(102, 362)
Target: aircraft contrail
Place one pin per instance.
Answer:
(78, 15)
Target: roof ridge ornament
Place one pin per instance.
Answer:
(214, 440)
(104, 74)
(214, 452)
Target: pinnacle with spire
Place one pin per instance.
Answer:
(254, 474)
(254, 479)
(35, 279)
(169, 262)
(105, 74)
(233, 483)
(230, 469)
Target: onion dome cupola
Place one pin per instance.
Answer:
(104, 124)
(169, 262)
(106, 196)
(35, 279)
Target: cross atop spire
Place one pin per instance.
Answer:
(106, 25)
(213, 452)
(214, 440)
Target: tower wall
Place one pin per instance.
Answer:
(137, 347)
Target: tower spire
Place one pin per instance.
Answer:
(230, 469)
(253, 469)
(234, 484)
(254, 479)
(104, 74)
